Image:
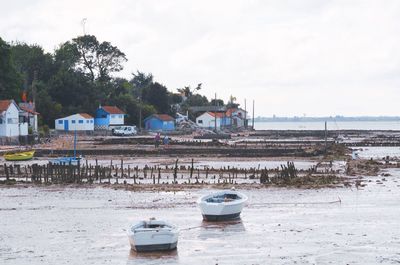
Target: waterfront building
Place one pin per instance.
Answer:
(159, 122)
(10, 123)
(107, 116)
(78, 122)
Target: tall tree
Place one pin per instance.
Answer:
(29, 59)
(10, 80)
(96, 59)
(157, 95)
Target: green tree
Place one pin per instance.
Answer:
(31, 59)
(96, 59)
(157, 95)
(188, 92)
(10, 80)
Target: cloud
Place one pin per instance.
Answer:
(293, 57)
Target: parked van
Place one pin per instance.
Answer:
(124, 130)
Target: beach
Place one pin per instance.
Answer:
(278, 226)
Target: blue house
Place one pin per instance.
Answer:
(108, 116)
(159, 122)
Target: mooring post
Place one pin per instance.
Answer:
(122, 167)
(175, 171)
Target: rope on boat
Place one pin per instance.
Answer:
(190, 228)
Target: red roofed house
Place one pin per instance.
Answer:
(231, 118)
(29, 115)
(159, 122)
(10, 124)
(207, 119)
(107, 116)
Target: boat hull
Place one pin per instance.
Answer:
(153, 238)
(158, 247)
(22, 156)
(223, 210)
(218, 218)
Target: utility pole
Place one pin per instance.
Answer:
(326, 135)
(140, 110)
(245, 114)
(253, 115)
(215, 113)
(34, 89)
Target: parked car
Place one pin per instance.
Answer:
(124, 130)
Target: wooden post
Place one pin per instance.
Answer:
(175, 171)
(6, 171)
(191, 169)
(122, 167)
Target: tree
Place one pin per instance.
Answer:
(31, 59)
(10, 80)
(218, 102)
(140, 81)
(157, 95)
(96, 59)
(187, 91)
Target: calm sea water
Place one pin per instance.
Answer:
(343, 125)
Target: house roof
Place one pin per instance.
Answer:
(4, 104)
(29, 110)
(162, 117)
(86, 116)
(218, 114)
(112, 110)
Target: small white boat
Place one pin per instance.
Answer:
(66, 161)
(222, 205)
(153, 235)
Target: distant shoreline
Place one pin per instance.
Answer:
(331, 119)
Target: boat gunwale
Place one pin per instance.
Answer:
(243, 198)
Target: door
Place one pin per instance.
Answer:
(66, 127)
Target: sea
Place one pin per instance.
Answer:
(331, 125)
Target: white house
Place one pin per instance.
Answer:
(207, 119)
(10, 124)
(237, 117)
(78, 122)
(29, 115)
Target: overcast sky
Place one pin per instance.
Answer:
(310, 58)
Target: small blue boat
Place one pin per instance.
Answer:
(73, 160)
(66, 161)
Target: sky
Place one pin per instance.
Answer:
(292, 57)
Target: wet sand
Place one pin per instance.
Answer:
(278, 226)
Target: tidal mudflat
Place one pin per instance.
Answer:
(63, 225)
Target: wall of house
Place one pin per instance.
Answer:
(102, 118)
(75, 122)
(117, 119)
(208, 121)
(23, 129)
(10, 122)
(154, 124)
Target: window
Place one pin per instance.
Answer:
(120, 116)
(91, 121)
(73, 121)
(60, 121)
(80, 121)
(1, 121)
(200, 121)
(87, 121)
(113, 116)
(12, 121)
